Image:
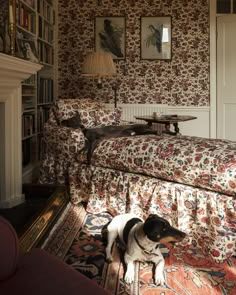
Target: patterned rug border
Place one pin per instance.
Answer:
(70, 221)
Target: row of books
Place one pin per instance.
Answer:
(45, 90)
(30, 3)
(25, 18)
(45, 30)
(28, 91)
(28, 125)
(43, 115)
(28, 103)
(45, 53)
(46, 11)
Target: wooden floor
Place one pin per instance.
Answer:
(34, 219)
(21, 215)
(36, 197)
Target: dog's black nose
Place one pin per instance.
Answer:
(181, 235)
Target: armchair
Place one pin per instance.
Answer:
(62, 144)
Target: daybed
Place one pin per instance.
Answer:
(190, 181)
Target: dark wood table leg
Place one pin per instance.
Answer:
(176, 127)
(167, 127)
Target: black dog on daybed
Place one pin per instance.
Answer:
(95, 134)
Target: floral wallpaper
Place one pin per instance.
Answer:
(181, 81)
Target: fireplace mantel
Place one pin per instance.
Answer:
(12, 72)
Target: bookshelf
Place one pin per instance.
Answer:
(34, 41)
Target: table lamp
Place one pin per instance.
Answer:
(98, 64)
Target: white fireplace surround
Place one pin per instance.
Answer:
(12, 72)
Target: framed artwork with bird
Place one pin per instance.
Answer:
(110, 35)
(155, 37)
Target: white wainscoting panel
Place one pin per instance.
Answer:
(198, 127)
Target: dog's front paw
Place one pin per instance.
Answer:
(159, 279)
(129, 276)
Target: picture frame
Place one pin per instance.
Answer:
(110, 35)
(25, 48)
(156, 37)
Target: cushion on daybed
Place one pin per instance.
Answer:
(84, 113)
(108, 117)
(86, 107)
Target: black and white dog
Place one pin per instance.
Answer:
(141, 241)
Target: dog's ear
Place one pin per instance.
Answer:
(153, 229)
(152, 216)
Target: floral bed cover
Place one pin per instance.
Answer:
(207, 217)
(201, 162)
(188, 180)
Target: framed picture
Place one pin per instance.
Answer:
(26, 49)
(110, 35)
(156, 37)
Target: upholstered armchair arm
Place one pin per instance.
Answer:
(65, 140)
(61, 146)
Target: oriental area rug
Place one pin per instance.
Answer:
(76, 238)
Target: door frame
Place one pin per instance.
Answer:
(213, 49)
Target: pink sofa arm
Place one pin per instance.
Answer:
(37, 272)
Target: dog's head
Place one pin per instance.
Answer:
(158, 229)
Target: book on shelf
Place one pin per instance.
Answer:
(28, 91)
(43, 116)
(28, 125)
(45, 90)
(46, 10)
(45, 52)
(30, 3)
(25, 17)
(27, 103)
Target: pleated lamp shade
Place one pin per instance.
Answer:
(98, 64)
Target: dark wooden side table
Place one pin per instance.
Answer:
(167, 120)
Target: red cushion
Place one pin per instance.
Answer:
(9, 249)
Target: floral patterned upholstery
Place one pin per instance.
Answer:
(188, 180)
(87, 108)
(63, 145)
(200, 162)
(108, 117)
(209, 218)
